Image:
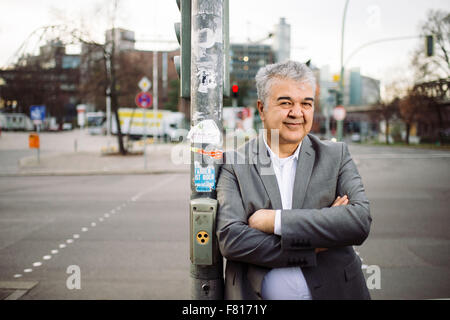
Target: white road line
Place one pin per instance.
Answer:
(18, 275)
(28, 270)
(76, 236)
(62, 245)
(37, 264)
(69, 240)
(100, 219)
(93, 224)
(54, 251)
(84, 229)
(46, 257)
(106, 215)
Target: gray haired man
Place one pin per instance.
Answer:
(291, 206)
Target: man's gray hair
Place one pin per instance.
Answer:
(283, 70)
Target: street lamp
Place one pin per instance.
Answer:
(340, 123)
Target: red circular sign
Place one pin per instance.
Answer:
(144, 100)
(339, 113)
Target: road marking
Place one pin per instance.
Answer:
(76, 236)
(69, 240)
(106, 215)
(84, 229)
(18, 275)
(62, 245)
(93, 224)
(100, 219)
(54, 251)
(46, 257)
(402, 156)
(28, 270)
(37, 264)
(20, 288)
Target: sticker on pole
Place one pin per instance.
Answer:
(205, 131)
(204, 178)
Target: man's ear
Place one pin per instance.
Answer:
(260, 107)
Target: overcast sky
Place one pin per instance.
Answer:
(315, 26)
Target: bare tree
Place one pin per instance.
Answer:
(437, 66)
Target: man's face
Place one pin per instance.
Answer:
(290, 109)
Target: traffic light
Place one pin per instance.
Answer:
(183, 63)
(235, 90)
(429, 45)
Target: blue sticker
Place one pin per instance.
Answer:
(204, 178)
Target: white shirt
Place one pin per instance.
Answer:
(284, 283)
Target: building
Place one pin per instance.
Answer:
(360, 90)
(50, 78)
(245, 61)
(282, 41)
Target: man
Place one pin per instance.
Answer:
(291, 210)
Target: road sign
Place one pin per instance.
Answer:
(81, 114)
(144, 100)
(145, 84)
(37, 114)
(339, 113)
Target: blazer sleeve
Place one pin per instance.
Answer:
(335, 226)
(239, 242)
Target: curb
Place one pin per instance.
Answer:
(95, 173)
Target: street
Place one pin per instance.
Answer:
(128, 234)
(134, 245)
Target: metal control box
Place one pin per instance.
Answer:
(203, 219)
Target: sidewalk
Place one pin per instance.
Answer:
(94, 155)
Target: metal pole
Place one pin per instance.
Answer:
(234, 105)
(341, 80)
(108, 98)
(39, 147)
(207, 73)
(155, 92)
(144, 123)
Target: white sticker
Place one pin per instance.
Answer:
(207, 80)
(205, 131)
(206, 38)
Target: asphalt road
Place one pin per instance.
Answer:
(134, 245)
(138, 248)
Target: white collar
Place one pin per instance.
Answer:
(275, 157)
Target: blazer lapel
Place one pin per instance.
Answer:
(303, 173)
(264, 167)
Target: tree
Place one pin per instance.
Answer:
(411, 110)
(438, 65)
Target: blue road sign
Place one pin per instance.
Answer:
(37, 113)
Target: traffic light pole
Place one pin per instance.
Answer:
(206, 91)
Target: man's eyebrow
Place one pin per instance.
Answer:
(284, 98)
(309, 98)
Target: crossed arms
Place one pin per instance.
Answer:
(250, 239)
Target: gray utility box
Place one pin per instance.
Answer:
(203, 219)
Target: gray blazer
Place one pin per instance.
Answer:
(248, 183)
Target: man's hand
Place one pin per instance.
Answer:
(338, 202)
(263, 220)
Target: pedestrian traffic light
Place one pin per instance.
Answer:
(429, 45)
(235, 90)
(183, 62)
